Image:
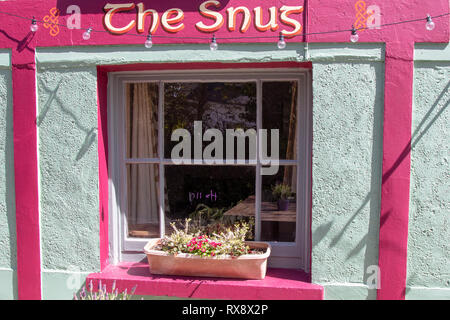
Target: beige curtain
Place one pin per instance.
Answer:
(142, 135)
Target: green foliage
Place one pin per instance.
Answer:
(281, 191)
(213, 240)
(210, 220)
(204, 213)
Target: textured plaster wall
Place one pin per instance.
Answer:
(68, 168)
(347, 155)
(8, 285)
(429, 215)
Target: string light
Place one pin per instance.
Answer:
(87, 34)
(148, 43)
(34, 26)
(281, 42)
(213, 45)
(354, 37)
(430, 24)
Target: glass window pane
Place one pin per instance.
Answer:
(143, 200)
(278, 205)
(218, 106)
(142, 120)
(214, 193)
(280, 112)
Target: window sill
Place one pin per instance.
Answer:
(279, 284)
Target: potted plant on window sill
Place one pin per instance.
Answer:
(223, 253)
(282, 193)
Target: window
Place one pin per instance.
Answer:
(191, 144)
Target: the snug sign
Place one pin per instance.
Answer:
(285, 19)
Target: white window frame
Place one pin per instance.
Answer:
(284, 254)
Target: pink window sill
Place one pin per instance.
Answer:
(279, 284)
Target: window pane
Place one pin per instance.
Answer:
(142, 120)
(217, 105)
(280, 112)
(214, 192)
(278, 218)
(143, 200)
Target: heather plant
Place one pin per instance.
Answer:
(102, 293)
(208, 241)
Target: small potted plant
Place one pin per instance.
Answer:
(282, 193)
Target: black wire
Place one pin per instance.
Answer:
(228, 38)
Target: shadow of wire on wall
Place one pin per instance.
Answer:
(90, 134)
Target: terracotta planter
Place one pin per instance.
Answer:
(248, 266)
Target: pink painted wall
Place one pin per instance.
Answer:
(318, 16)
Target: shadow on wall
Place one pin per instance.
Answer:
(419, 132)
(91, 134)
(373, 197)
(371, 255)
(417, 135)
(21, 44)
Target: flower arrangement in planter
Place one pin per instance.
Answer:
(282, 193)
(215, 251)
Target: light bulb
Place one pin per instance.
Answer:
(213, 46)
(87, 34)
(354, 36)
(148, 43)
(34, 26)
(281, 42)
(430, 24)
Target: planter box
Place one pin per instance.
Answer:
(248, 266)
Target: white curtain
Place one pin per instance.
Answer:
(142, 133)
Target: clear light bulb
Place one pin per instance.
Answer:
(281, 43)
(87, 34)
(34, 26)
(213, 46)
(148, 43)
(354, 36)
(430, 24)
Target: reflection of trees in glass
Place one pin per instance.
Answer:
(280, 112)
(218, 105)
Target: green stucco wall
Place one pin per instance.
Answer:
(347, 156)
(429, 215)
(68, 164)
(348, 83)
(346, 205)
(68, 176)
(8, 283)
